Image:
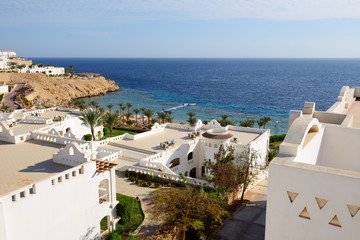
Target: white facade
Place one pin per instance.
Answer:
(3, 62)
(313, 183)
(53, 184)
(8, 53)
(48, 70)
(4, 89)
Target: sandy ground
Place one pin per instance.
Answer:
(59, 90)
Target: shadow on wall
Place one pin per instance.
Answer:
(90, 234)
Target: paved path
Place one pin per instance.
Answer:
(126, 187)
(9, 98)
(247, 223)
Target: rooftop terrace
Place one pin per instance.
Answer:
(26, 163)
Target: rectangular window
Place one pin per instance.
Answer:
(74, 173)
(31, 191)
(53, 181)
(67, 176)
(22, 194)
(13, 198)
(59, 179)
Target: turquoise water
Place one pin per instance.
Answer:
(240, 88)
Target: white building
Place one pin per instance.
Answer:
(4, 89)
(170, 149)
(48, 70)
(8, 54)
(4, 62)
(314, 182)
(52, 184)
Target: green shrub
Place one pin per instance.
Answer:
(88, 137)
(157, 184)
(129, 122)
(144, 184)
(106, 131)
(277, 138)
(132, 178)
(152, 178)
(272, 154)
(137, 181)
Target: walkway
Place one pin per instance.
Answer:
(9, 98)
(126, 187)
(247, 223)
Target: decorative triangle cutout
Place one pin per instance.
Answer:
(292, 195)
(321, 202)
(353, 209)
(304, 214)
(335, 221)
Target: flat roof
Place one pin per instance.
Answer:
(152, 142)
(26, 163)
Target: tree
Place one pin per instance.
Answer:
(225, 121)
(136, 111)
(120, 107)
(221, 170)
(187, 209)
(128, 116)
(260, 122)
(247, 123)
(246, 168)
(129, 105)
(266, 120)
(111, 120)
(110, 106)
(191, 119)
(92, 118)
(142, 113)
(159, 114)
(72, 69)
(66, 70)
(168, 117)
(94, 104)
(148, 113)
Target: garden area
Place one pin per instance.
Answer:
(275, 141)
(129, 210)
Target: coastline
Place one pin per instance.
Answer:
(42, 90)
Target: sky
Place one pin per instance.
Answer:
(181, 28)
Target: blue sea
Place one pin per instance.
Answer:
(241, 88)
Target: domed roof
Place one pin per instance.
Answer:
(217, 133)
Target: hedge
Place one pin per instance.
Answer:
(277, 138)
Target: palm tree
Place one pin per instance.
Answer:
(142, 114)
(128, 116)
(94, 104)
(120, 106)
(92, 118)
(129, 105)
(148, 113)
(247, 123)
(260, 122)
(110, 106)
(111, 120)
(123, 111)
(266, 120)
(159, 116)
(71, 69)
(191, 119)
(136, 111)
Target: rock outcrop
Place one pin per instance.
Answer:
(59, 90)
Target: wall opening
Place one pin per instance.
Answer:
(310, 134)
(174, 163)
(193, 173)
(103, 191)
(190, 156)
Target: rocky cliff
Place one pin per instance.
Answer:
(58, 90)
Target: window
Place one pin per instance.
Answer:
(67, 176)
(210, 145)
(71, 151)
(59, 179)
(215, 145)
(53, 181)
(202, 171)
(73, 173)
(186, 173)
(174, 163)
(193, 173)
(13, 198)
(22, 194)
(190, 156)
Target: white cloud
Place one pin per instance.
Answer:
(119, 11)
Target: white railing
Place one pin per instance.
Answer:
(165, 176)
(178, 126)
(156, 165)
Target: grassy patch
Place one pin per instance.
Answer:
(103, 223)
(277, 138)
(117, 132)
(130, 212)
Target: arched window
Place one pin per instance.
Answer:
(215, 145)
(174, 163)
(71, 151)
(190, 156)
(68, 130)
